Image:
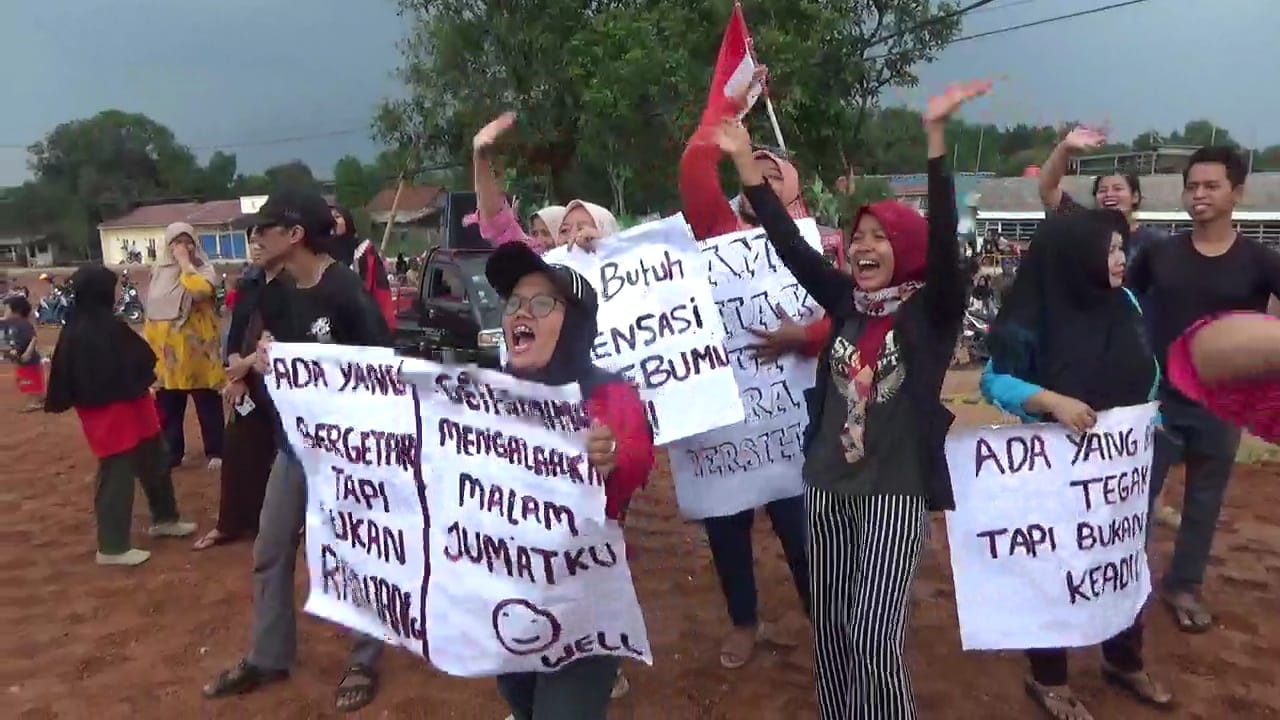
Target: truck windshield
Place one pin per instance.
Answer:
(487, 301)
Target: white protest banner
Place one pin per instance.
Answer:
(354, 427)
(1048, 538)
(659, 326)
(527, 574)
(748, 464)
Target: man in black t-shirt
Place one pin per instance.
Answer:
(321, 301)
(1185, 278)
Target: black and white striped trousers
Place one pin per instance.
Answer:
(863, 554)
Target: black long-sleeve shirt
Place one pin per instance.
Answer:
(906, 424)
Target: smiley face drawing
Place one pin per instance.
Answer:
(524, 628)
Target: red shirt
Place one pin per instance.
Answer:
(119, 427)
(618, 405)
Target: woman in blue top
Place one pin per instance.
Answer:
(1068, 344)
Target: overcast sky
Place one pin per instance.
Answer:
(246, 74)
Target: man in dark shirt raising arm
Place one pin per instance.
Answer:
(1190, 276)
(325, 302)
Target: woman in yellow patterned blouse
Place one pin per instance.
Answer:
(182, 329)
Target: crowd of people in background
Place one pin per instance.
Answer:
(1097, 317)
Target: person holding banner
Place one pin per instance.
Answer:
(326, 303)
(1069, 343)
(709, 215)
(875, 461)
(549, 322)
(580, 222)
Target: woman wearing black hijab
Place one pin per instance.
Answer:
(1069, 343)
(104, 370)
(360, 255)
(549, 321)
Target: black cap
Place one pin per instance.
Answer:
(293, 206)
(513, 260)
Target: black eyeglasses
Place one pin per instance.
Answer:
(540, 306)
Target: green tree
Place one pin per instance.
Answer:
(607, 95)
(294, 173)
(355, 184)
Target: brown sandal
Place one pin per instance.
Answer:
(213, 539)
(1058, 703)
(738, 649)
(1140, 685)
(1188, 612)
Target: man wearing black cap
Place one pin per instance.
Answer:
(325, 303)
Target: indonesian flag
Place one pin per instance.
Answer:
(733, 71)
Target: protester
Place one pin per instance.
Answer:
(249, 441)
(1069, 343)
(402, 266)
(182, 328)
(103, 370)
(1121, 192)
(874, 458)
(28, 373)
(550, 325)
(1202, 273)
(361, 256)
(327, 303)
(579, 222)
(710, 215)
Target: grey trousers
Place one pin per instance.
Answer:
(1208, 447)
(274, 644)
(580, 690)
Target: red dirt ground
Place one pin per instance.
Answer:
(81, 641)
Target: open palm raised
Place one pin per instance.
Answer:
(490, 133)
(941, 107)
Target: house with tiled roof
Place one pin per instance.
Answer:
(416, 223)
(136, 236)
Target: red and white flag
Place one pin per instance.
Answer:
(733, 71)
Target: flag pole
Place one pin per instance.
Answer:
(768, 104)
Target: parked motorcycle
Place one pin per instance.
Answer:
(129, 306)
(55, 307)
(220, 294)
(17, 291)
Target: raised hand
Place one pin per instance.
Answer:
(1084, 138)
(732, 138)
(490, 133)
(941, 107)
(759, 76)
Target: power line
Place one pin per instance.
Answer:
(1006, 6)
(958, 12)
(1023, 26)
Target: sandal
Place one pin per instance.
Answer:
(1188, 612)
(1057, 702)
(738, 648)
(241, 679)
(1140, 685)
(214, 538)
(357, 688)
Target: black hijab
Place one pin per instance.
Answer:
(99, 359)
(571, 359)
(343, 247)
(1063, 327)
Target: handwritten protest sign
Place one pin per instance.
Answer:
(354, 427)
(527, 574)
(659, 326)
(1048, 535)
(748, 464)
(452, 511)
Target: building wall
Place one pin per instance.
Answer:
(117, 242)
(219, 241)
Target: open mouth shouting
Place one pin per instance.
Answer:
(866, 268)
(522, 338)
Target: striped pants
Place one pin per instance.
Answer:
(863, 554)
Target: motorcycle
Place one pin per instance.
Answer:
(220, 295)
(129, 306)
(973, 334)
(55, 307)
(17, 291)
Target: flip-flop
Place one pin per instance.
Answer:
(353, 697)
(732, 659)
(1184, 616)
(1042, 696)
(1135, 689)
